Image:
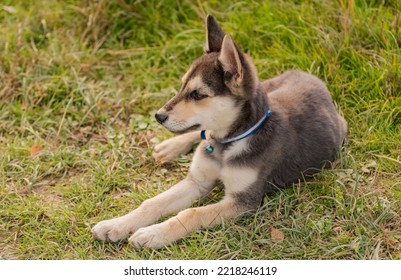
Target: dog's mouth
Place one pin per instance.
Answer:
(185, 130)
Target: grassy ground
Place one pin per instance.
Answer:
(80, 81)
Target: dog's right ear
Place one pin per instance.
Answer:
(231, 62)
(214, 35)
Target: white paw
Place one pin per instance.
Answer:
(112, 230)
(149, 237)
(171, 149)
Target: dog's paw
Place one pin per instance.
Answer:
(148, 237)
(171, 149)
(111, 230)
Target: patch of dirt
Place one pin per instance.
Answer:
(86, 134)
(48, 189)
(48, 194)
(8, 250)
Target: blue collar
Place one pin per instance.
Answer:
(238, 137)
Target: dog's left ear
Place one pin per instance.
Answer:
(214, 35)
(231, 62)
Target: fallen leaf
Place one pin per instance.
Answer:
(35, 149)
(276, 235)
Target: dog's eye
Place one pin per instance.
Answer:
(195, 95)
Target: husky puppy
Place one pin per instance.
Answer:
(256, 137)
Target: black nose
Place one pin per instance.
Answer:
(161, 118)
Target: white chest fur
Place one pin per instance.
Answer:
(237, 178)
(236, 149)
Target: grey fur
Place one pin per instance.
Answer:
(302, 135)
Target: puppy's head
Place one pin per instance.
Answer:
(214, 87)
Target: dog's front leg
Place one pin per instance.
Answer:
(243, 193)
(199, 182)
(172, 148)
(185, 222)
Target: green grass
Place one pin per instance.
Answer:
(82, 79)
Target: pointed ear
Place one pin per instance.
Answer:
(214, 35)
(229, 59)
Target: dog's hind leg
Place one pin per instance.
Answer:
(200, 181)
(172, 148)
